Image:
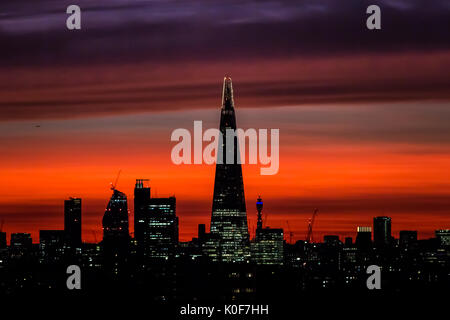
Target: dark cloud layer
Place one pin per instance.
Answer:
(147, 56)
(40, 93)
(118, 31)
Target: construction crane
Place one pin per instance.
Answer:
(290, 232)
(309, 235)
(113, 186)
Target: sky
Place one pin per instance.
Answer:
(363, 115)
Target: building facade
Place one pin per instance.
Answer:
(443, 235)
(52, 246)
(155, 223)
(2, 240)
(267, 249)
(381, 231)
(363, 237)
(229, 214)
(161, 236)
(116, 237)
(20, 244)
(141, 200)
(72, 221)
(407, 238)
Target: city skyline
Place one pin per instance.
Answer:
(224, 263)
(232, 229)
(318, 239)
(193, 210)
(362, 113)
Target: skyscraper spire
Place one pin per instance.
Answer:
(229, 214)
(227, 94)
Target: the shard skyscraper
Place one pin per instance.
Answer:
(229, 215)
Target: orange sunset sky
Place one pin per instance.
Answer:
(363, 118)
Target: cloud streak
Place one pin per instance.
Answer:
(197, 30)
(79, 91)
(146, 56)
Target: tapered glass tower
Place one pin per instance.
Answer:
(115, 219)
(229, 215)
(116, 236)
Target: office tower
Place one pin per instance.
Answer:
(21, 244)
(407, 238)
(115, 232)
(201, 233)
(348, 241)
(381, 231)
(115, 219)
(21, 240)
(2, 240)
(91, 256)
(363, 237)
(267, 247)
(349, 254)
(141, 199)
(51, 245)
(156, 223)
(72, 221)
(210, 247)
(331, 240)
(161, 237)
(229, 215)
(443, 235)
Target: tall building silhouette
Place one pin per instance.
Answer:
(201, 232)
(381, 231)
(115, 219)
(72, 221)
(20, 244)
(116, 236)
(161, 228)
(141, 199)
(229, 215)
(155, 223)
(363, 238)
(2, 240)
(51, 245)
(443, 236)
(407, 238)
